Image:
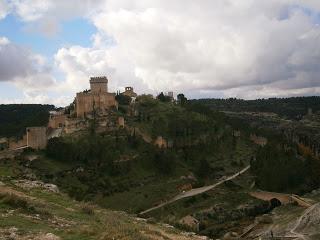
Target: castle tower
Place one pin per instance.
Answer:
(99, 84)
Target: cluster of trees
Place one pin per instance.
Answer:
(14, 118)
(279, 168)
(178, 124)
(98, 152)
(163, 98)
(293, 108)
(123, 99)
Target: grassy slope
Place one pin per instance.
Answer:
(38, 212)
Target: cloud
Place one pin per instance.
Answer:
(217, 45)
(22, 66)
(225, 47)
(4, 9)
(80, 63)
(27, 70)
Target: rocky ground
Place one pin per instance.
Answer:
(38, 211)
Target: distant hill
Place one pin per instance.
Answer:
(14, 118)
(293, 108)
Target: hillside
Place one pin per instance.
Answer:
(292, 108)
(180, 164)
(14, 118)
(32, 210)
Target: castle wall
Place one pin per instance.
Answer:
(57, 121)
(101, 101)
(99, 87)
(37, 137)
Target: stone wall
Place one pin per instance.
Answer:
(99, 84)
(37, 137)
(57, 121)
(87, 102)
(73, 125)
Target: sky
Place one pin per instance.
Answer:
(206, 49)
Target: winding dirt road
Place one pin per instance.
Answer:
(197, 191)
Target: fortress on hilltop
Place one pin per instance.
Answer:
(97, 98)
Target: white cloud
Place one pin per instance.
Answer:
(4, 8)
(214, 44)
(4, 41)
(228, 47)
(28, 71)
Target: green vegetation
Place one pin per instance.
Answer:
(34, 213)
(110, 168)
(122, 169)
(278, 170)
(15, 118)
(293, 108)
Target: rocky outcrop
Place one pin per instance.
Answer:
(27, 185)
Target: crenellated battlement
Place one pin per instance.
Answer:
(102, 79)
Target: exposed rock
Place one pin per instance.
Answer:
(48, 236)
(311, 220)
(26, 184)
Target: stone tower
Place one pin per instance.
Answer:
(98, 98)
(99, 85)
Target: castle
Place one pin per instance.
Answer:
(97, 98)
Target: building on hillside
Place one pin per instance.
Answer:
(37, 137)
(97, 98)
(57, 119)
(129, 92)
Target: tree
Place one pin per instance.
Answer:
(182, 100)
(123, 99)
(163, 98)
(204, 168)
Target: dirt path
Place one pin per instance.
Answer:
(197, 191)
